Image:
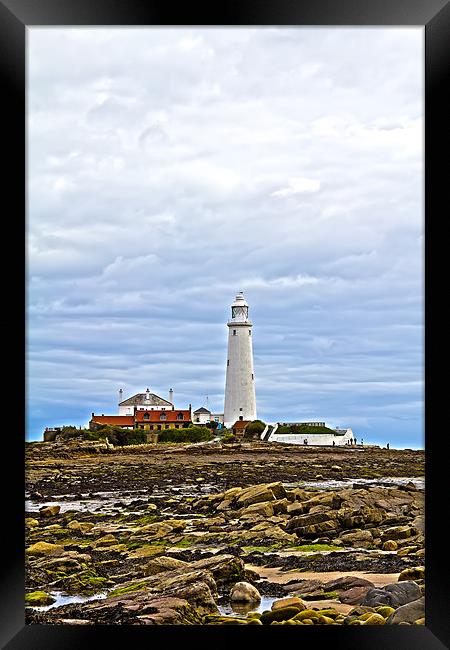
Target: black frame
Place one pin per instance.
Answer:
(434, 15)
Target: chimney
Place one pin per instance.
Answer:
(171, 395)
(120, 395)
(92, 413)
(147, 394)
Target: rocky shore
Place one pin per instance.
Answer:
(224, 534)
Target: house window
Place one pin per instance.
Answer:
(167, 426)
(163, 416)
(146, 416)
(177, 426)
(216, 419)
(159, 427)
(179, 416)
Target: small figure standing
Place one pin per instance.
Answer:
(362, 442)
(387, 446)
(333, 443)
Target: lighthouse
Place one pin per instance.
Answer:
(240, 399)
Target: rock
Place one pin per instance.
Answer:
(304, 586)
(395, 595)
(31, 523)
(148, 550)
(106, 541)
(226, 569)
(163, 563)
(311, 523)
(360, 538)
(336, 468)
(81, 527)
(38, 599)
(282, 614)
(152, 507)
(245, 592)
(255, 494)
(280, 506)
(49, 511)
(293, 601)
(374, 619)
(154, 531)
(420, 621)
(408, 613)
(44, 548)
(296, 508)
(398, 532)
(412, 573)
(347, 582)
(385, 611)
(264, 508)
(390, 545)
(353, 596)
(277, 489)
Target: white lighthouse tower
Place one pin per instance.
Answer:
(240, 399)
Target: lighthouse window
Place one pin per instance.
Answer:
(234, 332)
(228, 362)
(252, 376)
(249, 332)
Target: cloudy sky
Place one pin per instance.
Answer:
(170, 168)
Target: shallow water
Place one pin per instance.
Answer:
(114, 501)
(65, 599)
(229, 608)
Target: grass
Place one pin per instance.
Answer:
(306, 548)
(130, 589)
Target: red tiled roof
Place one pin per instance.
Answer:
(171, 416)
(240, 424)
(118, 420)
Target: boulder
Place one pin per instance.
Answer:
(398, 532)
(225, 569)
(264, 508)
(296, 508)
(245, 592)
(293, 601)
(31, 523)
(105, 541)
(347, 582)
(44, 548)
(390, 545)
(38, 599)
(357, 538)
(255, 494)
(353, 596)
(163, 563)
(395, 595)
(412, 573)
(81, 527)
(49, 511)
(409, 613)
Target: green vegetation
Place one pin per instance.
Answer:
(315, 547)
(116, 435)
(303, 428)
(38, 599)
(190, 434)
(255, 428)
(229, 437)
(129, 589)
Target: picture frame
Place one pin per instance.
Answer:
(15, 17)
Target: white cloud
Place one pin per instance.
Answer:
(298, 186)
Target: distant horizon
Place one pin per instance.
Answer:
(169, 168)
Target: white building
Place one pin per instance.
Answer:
(204, 416)
(336, 437)
(240, 398)
(144, 401)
